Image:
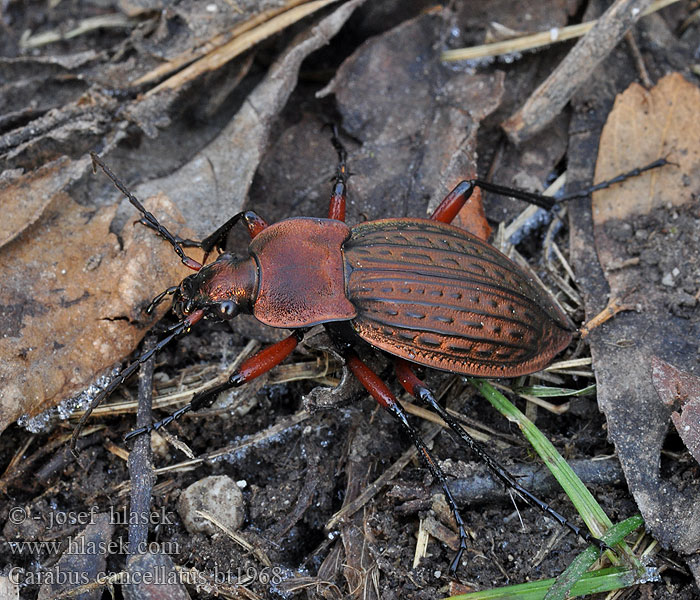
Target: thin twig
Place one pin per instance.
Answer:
(223, 54)
(192, 54)
(551, 96)
(141, 458)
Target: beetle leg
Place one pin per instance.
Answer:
(160, 297)
(253, 222)
(452, 203)
(336, 210)
(417, 388)
(619, 178)
(474, 221)
(547, 202)
(258, 364)
(382, 394)
(175, 331)
(447, 210)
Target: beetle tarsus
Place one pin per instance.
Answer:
(148, 218)
(158, 424)
(176, 330)
(660, 162)
(184, 242)
(159, 298)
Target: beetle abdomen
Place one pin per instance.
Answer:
(438, 296)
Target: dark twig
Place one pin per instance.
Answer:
(483, 488)
(141, 458)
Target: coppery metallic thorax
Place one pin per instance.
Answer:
(301, 273)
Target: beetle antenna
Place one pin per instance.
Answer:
(149, 220)
(175, 331)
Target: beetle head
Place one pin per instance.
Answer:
(221, 289)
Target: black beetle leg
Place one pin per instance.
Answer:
(175, 331)
(453, 202)
(382, 394)
(253, 222)
(617, 179)
(258, 364)
(417, 388)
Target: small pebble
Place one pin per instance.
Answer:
(218, 496)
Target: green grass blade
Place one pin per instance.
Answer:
(590, 511)
(584, 561)
(575, 582)
(604, 580)
(546, 391)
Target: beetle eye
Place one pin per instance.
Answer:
(227, 309)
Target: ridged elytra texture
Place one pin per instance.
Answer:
(436, 295)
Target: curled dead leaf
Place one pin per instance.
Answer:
(72, 301)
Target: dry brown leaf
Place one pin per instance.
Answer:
(645, 125)
(72, 301)
(25, 198)
(74, 304)
(642, 127)
(648, 244)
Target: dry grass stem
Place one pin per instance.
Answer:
(116, 20)
(219, 56)
(536, 40)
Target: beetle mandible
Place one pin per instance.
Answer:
(419, 289)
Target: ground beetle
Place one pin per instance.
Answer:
(422, 290)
